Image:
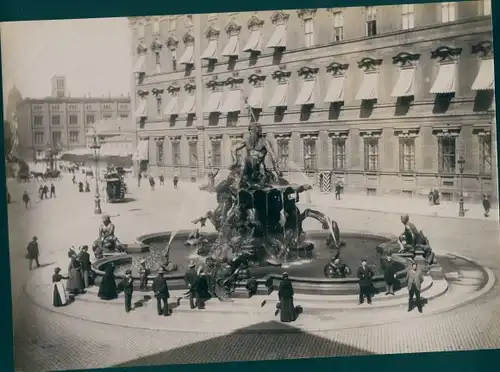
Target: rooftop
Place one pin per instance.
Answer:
(84, 99)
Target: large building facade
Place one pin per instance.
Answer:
(60, 122)
(387, 99)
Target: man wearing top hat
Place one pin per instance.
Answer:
(84, 258)
(191, 277)
(160, 289)
(127, 285)
(33, 252)
(144, 272)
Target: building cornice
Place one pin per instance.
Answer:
(61, 100)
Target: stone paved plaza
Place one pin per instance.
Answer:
(91, 334)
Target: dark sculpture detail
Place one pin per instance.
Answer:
(257, 220)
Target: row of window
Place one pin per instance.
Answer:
(448, 13)
(72, 106)
(73, 119)
(230, 101)
(39, 138)
(447, 154)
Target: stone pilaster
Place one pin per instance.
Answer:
(201, 151)
(323, 151)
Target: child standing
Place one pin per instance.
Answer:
(127, 285)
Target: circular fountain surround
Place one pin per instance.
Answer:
(307, 276)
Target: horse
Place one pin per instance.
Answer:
(38, 176)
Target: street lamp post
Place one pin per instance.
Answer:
(461, 166)
(51, 157)
(96, 147)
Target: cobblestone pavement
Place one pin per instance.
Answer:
(46, 340)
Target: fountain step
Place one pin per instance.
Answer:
(263, 292)
(255, 303)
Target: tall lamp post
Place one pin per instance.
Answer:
(461, 166)
(51, 156)
(96, 147)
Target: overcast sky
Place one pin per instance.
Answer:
(94, 54)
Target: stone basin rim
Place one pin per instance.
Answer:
(142, 239)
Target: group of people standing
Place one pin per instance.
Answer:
(79, 277)
(414, 279)
(152, 182)
(43, 191)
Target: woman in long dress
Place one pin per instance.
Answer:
(107, 288)
(75, 284)
(59, 297)
(288, 312)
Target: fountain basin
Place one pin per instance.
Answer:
(307, 276)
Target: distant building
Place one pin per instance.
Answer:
(116, 137)
(61, 121)
(385, 98)
(13, 99)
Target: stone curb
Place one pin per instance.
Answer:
(326, 306)
(427, 285)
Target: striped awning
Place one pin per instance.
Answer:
(446, 79)
(278, 38)
(335, 91)
(213, 103)
(210, 52)
(280, 97)
(404, 85)
(232, 101)
(139, 65)
(142, 109)
(306, 93)
(254, 43)
(369, 87)
(256, 98)
(187, 57)
(485, 79)
(189, 105)
(172, 107)
(232, 48)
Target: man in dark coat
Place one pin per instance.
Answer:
(285, 296)
(160, 289)
(162, 180)
(202, 289)
(45, 191)
(338, 189)
(486, 205)
(26, 199)
(365, 275)
(52, 191)
(84, 258)
(190, 277)
(389, 275)
(33, 252)
(175, 181)
(127, 285)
